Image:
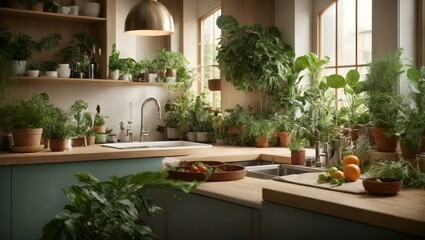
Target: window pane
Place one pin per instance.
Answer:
(346, 32)
(328, 32)
(365, 31)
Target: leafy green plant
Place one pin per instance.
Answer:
(79, 48)
(410, 125)
(34, 66)
(110, 209)
(400, 169)
(261, 127)
(32, 113)
(383, 99)
(417, 86)
(49, 66)
(353, 88)
(114, 59)
(22, 46)
(80, 123)
(298, 140)
(253, 58)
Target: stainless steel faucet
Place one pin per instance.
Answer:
(324, 153)
(144, 133)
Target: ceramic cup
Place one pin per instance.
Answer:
(74, 10)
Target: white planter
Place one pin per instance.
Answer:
(91, 9)
(65, 10)
(63, 66)
(127, 77)
(114, 75)
(201, 136)
(52, 74)
(19, 67)
(172, 133)
(33, 73)
(191, 136)
(74, 10)
(152, 77)
(171, 79)
(64, 73)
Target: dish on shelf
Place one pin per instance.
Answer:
(382, 186)
(219, 173)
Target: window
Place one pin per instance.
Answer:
(210, 34)
(345, 35)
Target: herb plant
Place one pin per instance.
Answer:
(110, 209)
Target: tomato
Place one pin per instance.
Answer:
(202, 168)
(194, 168)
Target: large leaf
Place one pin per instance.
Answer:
(353, 77)
(301, 63)
(335, 81)
(414, 74)
(227, 23)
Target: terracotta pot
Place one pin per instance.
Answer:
(90, 140)
(285, 138)
(27, 137)
(214, 84)
(37, 7)
(408, 153)
(298, 157)
(77, 142)
(262, 142)
(100, 129)
(382, 142)
(57, 145)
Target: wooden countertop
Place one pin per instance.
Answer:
(404, 212)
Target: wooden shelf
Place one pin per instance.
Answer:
(84, 81)
(52, 16)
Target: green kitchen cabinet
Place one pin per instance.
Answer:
(194, 217)
(37, 194)
(284, 222)
(5, 202)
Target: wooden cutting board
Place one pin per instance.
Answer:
(310, 179)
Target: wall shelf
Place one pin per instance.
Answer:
(51, 16)
(84, 81)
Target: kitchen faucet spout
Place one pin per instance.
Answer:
(144, 133)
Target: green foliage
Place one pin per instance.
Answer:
(32, 113)
(79, 48)
(401, 169)
(261, 127)
(49, 66)
(80, 119)
(383, 100)
(298, 140)
(21, 47)
(56, 126)
(167, 60)
(253, 57)
(417, 86)
(410, 125)
(110, 209)
(114, 59)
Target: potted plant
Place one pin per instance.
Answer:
(115, 65)
(99, 121)
(80, 125)
(409, 128)
(417, 86)
(168, 63)
(234, 123)
(117, 199)
(57, 130)
(297, 147)
(383, 100)
(127, 67)
(33, 70)
(20, 50)
(285, 124)
(355, 109)
(177, 113)
(253, 58)
(27, 118)
(261, 129)
(50, 69)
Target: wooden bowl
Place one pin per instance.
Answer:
(382, 186)
(223, 173)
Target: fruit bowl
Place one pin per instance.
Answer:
(382, 186)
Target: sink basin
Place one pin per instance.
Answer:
(272, 170)
(156, 144)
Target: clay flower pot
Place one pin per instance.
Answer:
(27, 137)
(214, 84)
(57, 145)
(262, 142)
(285, 138)
(384, 143)
(298, 157)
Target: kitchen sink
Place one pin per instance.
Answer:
(272, 170)
(156, 144)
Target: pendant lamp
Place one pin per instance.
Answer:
(149, 18)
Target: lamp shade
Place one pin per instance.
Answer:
(149, 18)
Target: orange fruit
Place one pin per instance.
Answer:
(338, 175)
(350, 159)
(352, 172)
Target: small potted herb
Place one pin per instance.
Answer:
(99, 125)
(297, 147)
(50, 69)
(261, 129)
(115, 65)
